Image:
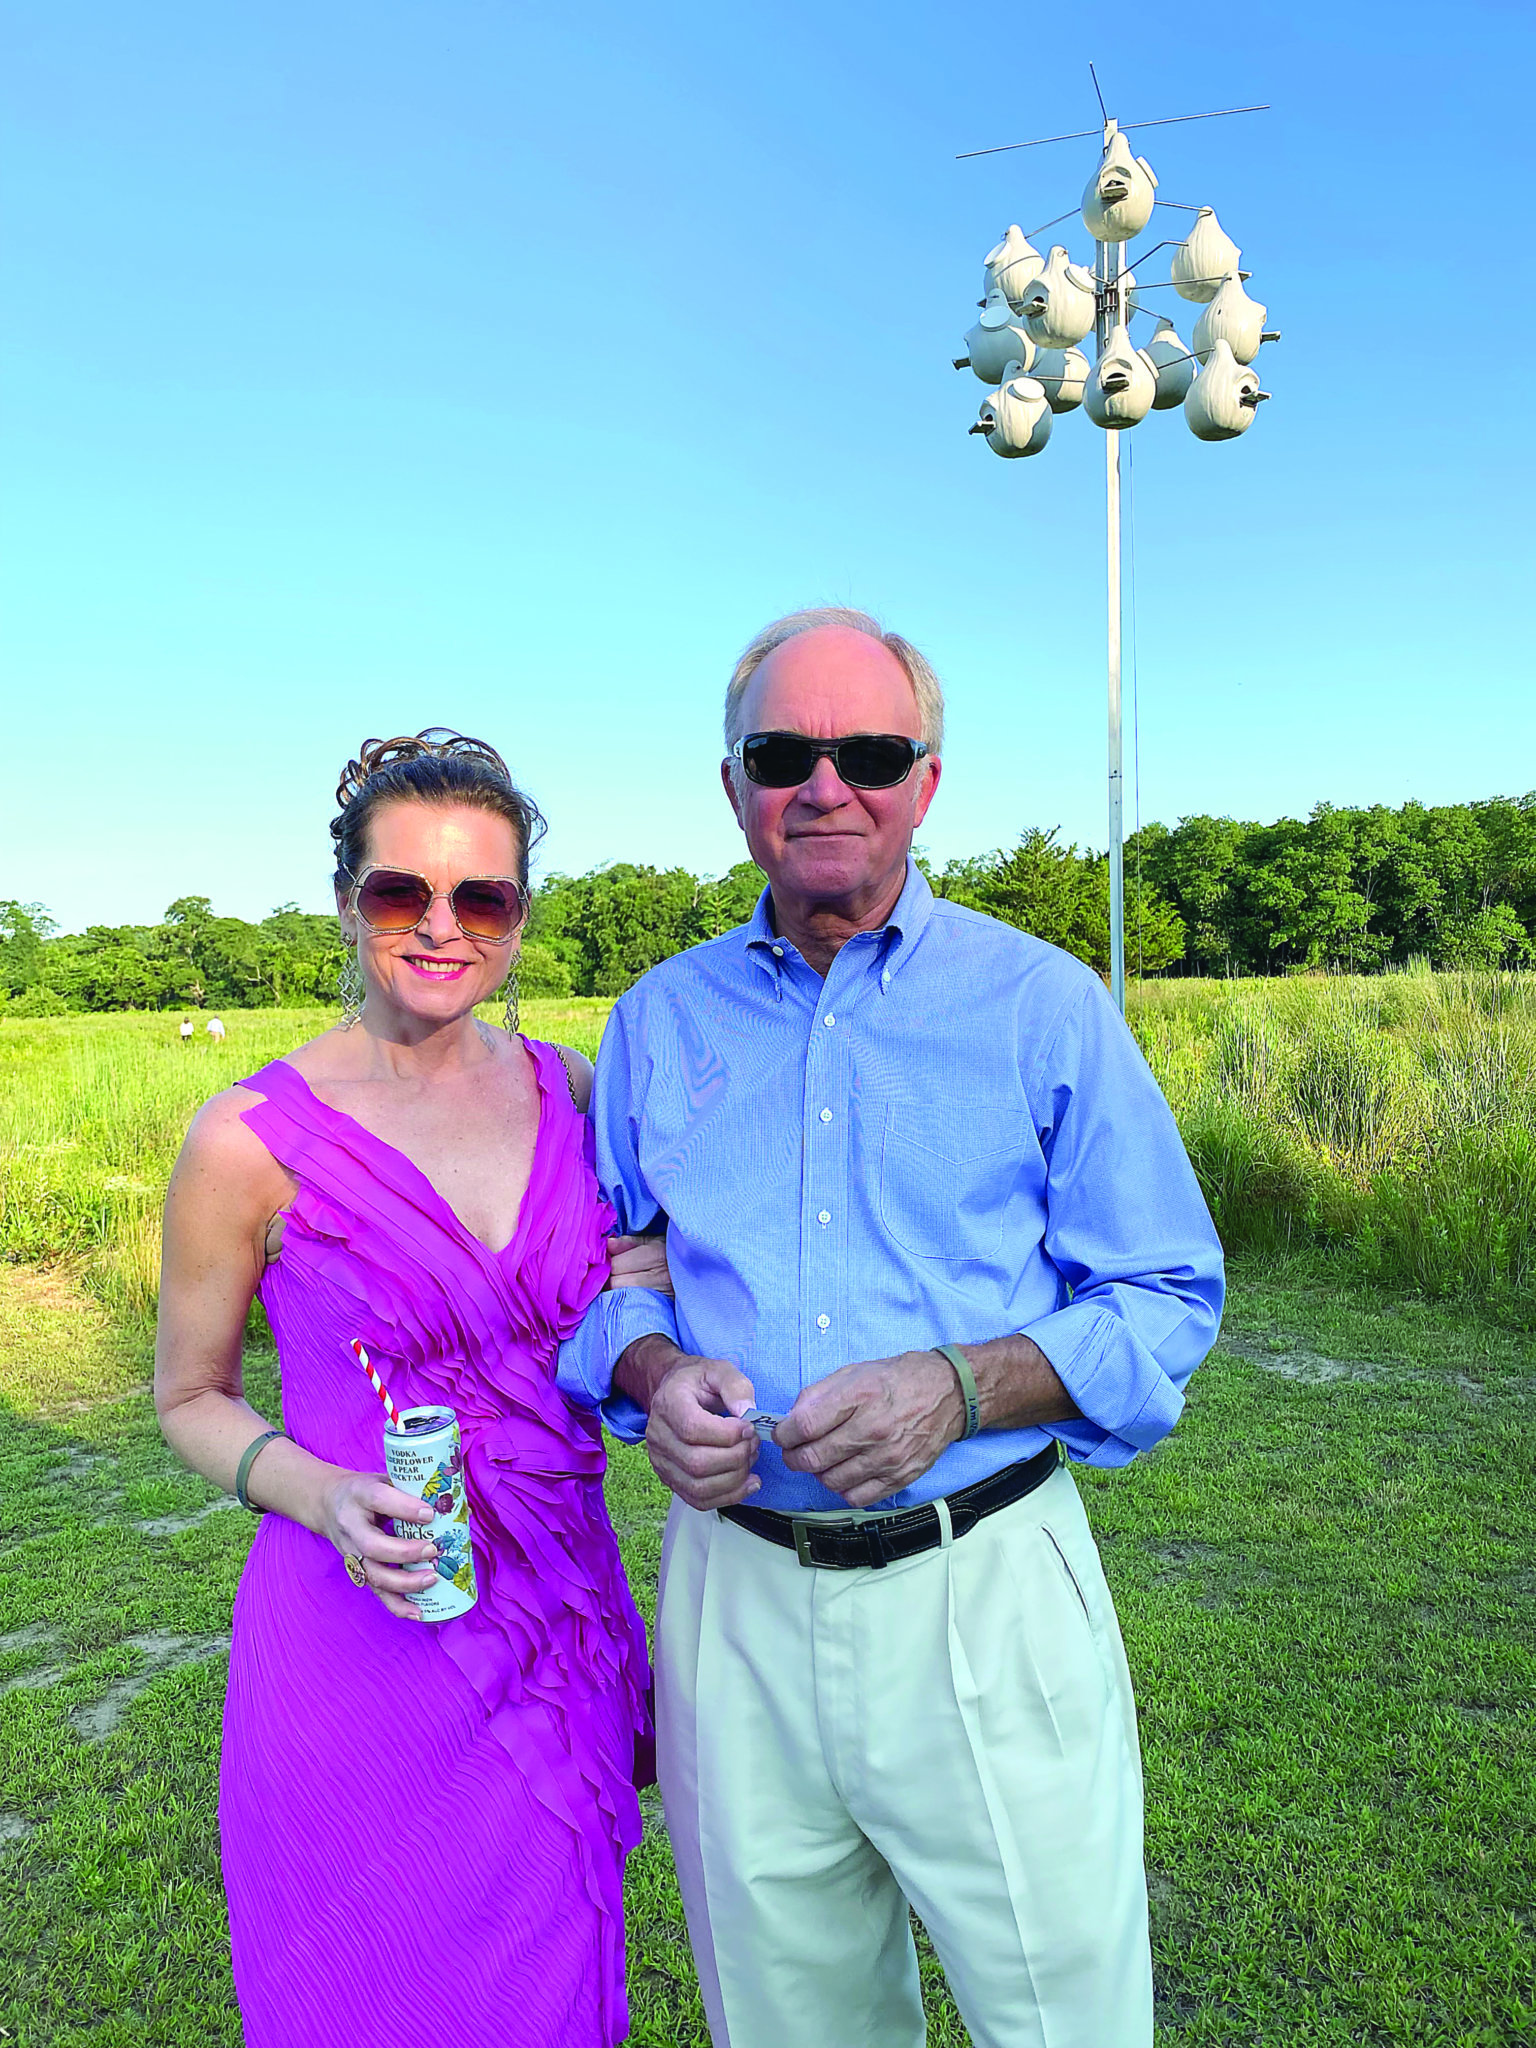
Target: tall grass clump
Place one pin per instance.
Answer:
(1393, 1116)
(93, 1110)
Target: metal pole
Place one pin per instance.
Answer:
(1116, 776)
(1109, 264)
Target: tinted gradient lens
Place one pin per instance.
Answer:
(783, 760)
(487, 909)
(395, 900)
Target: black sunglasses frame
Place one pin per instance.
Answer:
(830, 750)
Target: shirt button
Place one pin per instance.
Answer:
(885, 976)
(829, 1021)
(825, 1216)
(823, 1322)
(778, 952)
(826, 1116)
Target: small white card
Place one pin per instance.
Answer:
(764, 1423)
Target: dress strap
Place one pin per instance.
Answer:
(570, 1078)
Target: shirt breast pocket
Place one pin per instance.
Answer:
(946, 1176)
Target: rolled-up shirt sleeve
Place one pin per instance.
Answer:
(1127, 1231)
(620, 1315)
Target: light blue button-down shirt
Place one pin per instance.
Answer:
(952, 1137)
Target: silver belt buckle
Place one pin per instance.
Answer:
(801, 1531)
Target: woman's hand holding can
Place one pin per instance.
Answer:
(393, 1566)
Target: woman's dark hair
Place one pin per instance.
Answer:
(434, 767)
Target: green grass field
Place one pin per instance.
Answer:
(1324, 1578)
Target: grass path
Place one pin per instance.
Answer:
(1325, 1580)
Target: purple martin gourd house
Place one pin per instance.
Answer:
(1036, 309)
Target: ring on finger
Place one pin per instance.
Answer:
(355, 1570)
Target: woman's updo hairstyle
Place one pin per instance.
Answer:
(435, 767)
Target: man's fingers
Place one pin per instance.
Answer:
(816, 1414)
(843, 1440)
(722, 1492)
(729, 1386)
(863, 1480)
(684, 1410)
(704, 1461)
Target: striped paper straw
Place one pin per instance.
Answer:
(378, 1385)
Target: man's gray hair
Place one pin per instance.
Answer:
(926, 687)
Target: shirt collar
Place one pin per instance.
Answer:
(913, 908)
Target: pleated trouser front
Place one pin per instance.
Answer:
(956, 1732)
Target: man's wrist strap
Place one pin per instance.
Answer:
(967, 1379)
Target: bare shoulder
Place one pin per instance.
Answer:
(579, 1067)
(330, 1055)
(224, 1156)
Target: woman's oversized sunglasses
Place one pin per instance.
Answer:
(865, 760)
(488, 907)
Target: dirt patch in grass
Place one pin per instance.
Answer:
(160, 1653)
(172, 1525)
(1294, 1361)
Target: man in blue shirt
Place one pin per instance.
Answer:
(888, 1667)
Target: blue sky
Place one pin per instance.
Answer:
(368, 367)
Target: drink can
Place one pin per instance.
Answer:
(424, 1456)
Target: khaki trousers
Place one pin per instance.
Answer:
(955, 1731)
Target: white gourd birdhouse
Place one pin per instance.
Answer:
(1223, 398)
(1063, 374)
(1231, 317)
(1169, 357)
(1119, 197)
(1123, 384)
(997, 340)
(1015, 418)
(1204, 260)
(1058, 304)
(1012, 264)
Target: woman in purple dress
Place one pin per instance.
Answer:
(424, 1824)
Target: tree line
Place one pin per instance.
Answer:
(1349, 890)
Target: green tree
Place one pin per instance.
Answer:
(1195, 868)
(1062, 896)
(729, 900)
(1487, 938)
(24, 929)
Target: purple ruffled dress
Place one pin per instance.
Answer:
(497, 1749)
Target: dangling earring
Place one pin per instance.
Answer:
(351, 987)
(512, 1016)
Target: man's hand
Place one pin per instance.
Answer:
(868, 1430)
(696, 1441)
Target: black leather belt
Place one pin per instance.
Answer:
(845, 1546)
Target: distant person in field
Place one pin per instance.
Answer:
(215, 1029)
(424, 1824)
(186, 1032)
(924, 1201)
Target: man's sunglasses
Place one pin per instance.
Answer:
(866, 760)
(489, 907)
